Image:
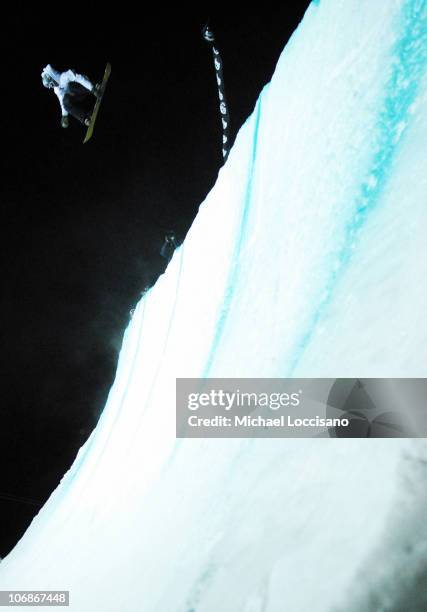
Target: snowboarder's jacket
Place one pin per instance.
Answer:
(62, 80)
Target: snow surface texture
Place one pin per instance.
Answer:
(307, 259)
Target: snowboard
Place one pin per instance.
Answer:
(98, 103)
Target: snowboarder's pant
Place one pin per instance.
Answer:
(71, 101)
(73, 110)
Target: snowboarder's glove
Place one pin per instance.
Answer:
(97, 90)
(64, 122)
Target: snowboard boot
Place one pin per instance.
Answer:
(96, 90)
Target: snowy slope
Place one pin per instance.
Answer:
(308, 258)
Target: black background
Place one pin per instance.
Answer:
(82, 225)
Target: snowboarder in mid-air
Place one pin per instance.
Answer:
(71, 89)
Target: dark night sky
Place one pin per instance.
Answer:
(82, 226)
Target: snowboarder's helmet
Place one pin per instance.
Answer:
(48, 81)
(47, 78)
